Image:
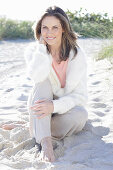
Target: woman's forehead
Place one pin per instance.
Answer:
(51, 20)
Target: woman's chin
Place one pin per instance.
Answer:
(51, 43)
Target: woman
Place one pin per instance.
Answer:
(58, 68)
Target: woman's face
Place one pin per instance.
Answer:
(51, 30)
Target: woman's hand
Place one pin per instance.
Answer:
(42, 41)
(43, 108)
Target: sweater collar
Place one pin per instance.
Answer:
(70, 56)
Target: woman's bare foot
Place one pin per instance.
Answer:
(47, 153)
(8, 126)
(11, 126)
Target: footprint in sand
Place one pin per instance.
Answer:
(23, 97)
(22, 109)
(107, 110)
(98, 91)
(96, 82)
(8, 90)
(96, 99)
(17, 75)
(28, 78)
(100, 131)
(98, 105)
(22, 106)
(91, 75)
(95, 92)
(8, 107)
(11, 76)
(25, 85)
(99, 113)
(96, 120)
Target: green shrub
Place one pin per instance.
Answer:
(91, 25)
(11, 29)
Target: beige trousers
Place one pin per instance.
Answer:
(55, 125)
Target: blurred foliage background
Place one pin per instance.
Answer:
(91, 24)
(87, 25)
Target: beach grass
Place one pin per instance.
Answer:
(15, 29)
(106, 52)
(91, 25)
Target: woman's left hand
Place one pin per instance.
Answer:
(43, 108)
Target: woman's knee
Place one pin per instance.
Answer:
(79, 115)
(84, 114)
(42, 90)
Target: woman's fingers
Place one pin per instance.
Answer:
(39, 112)
(42, 108)
(37, 108)
(38, 105)
(39, 101)
(42, 116)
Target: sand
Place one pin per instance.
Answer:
(91, 149)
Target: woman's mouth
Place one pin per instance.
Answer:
(50, 38)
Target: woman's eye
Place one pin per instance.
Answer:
(55, 27)
(44, 27)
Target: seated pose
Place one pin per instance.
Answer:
(58, 68)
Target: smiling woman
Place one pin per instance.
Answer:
(58, 68)
(51, 30)
(54, 28)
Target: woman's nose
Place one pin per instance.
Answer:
(50, 31)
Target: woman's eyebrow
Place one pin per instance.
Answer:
(52, 26)
(44, 25)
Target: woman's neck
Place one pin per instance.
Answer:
(55, 52)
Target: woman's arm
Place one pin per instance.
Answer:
(78, 97)
(37, 61)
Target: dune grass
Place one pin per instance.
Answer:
(15, 29)
(91, 25)
(106, 52)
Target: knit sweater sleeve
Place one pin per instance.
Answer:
(37, 62)
(79, 96)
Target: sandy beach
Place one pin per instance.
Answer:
(91, 149)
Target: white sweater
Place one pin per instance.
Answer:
(39, 67)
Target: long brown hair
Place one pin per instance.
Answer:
(69, 37)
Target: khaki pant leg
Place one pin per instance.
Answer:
(68, 123)
(39, 128)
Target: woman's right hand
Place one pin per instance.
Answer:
(42, 41)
